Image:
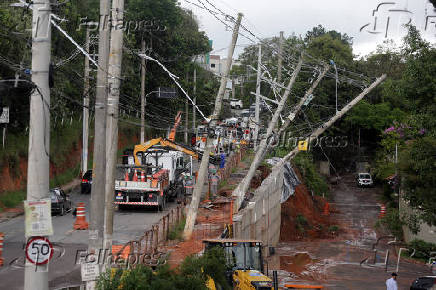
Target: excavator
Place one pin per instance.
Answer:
(245, 264)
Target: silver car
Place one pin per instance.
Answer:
(364, 180)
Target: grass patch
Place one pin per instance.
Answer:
(65, 177)
(301, 223)
(333, 228)
(12, 198)
(223, 183)
(177, 231)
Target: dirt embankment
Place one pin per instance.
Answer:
(303, 216)
(15, 179)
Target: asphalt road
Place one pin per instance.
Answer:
(336, 262)
(63, 271)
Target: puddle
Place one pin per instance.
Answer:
(297, 263)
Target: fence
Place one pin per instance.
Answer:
(146, 250)
(231, 163)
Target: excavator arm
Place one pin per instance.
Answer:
(164, 143)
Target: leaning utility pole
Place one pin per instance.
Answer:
(195, 101)
(243, 186)
(143, 94)
(330, 122)
(114, 83)
(85, 119)
(279, 69)
(39, 126)
(202, 172)
(96, 224)
(256, 112)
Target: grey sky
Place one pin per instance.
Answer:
(267, 18)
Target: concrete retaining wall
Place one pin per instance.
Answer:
(260, 219)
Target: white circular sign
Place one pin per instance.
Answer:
(39, 250)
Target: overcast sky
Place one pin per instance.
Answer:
(268, 18)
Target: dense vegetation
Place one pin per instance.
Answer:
(192, 274)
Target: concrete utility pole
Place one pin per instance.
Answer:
(85, 119)
(202, 172)
(233, 87)
(195, 102)
(96, 224)
(256, 112)
(39, 125)
(114, 82)
(336, 117)
(279, 69)
(143, 100)
(243, 186)
(186, 114)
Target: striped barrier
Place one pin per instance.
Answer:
(137, 203)
(382, 211)
(80, 223)
(2, 236)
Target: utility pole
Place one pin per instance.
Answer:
(39, 125)
(202, 173)
(279, 69)
(114, 82)
(186, 113)
(233, 87)
(195, 101)
(96, 224)
(143, 100)
(336, 117)
(256, 112)
(243, 186)
(85, 119)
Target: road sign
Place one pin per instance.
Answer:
(4, 117)
(302, 145)
(39, 250)
(90, 271)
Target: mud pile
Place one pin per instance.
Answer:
(302, 216)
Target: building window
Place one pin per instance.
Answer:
(212, 65)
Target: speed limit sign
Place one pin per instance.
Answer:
(39, 250)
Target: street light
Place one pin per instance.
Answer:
(143, 115)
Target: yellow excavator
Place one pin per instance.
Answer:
(245, 264)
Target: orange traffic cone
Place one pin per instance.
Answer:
(135, 176)
(1, 248)
(142, 176)
(126, 176)
(80, 223)
(326, 209)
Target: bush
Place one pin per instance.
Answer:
(333, 228)
(313, 180)
(301, 223)
(393, 222)
(422, 250)
(191, 275)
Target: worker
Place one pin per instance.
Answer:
(391, 283)
(223, 160)
(214, 179)
(189, 185)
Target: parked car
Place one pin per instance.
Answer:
(60, 202)
(86, 182)
(364, 179)
(236, 104)
(424, 283)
